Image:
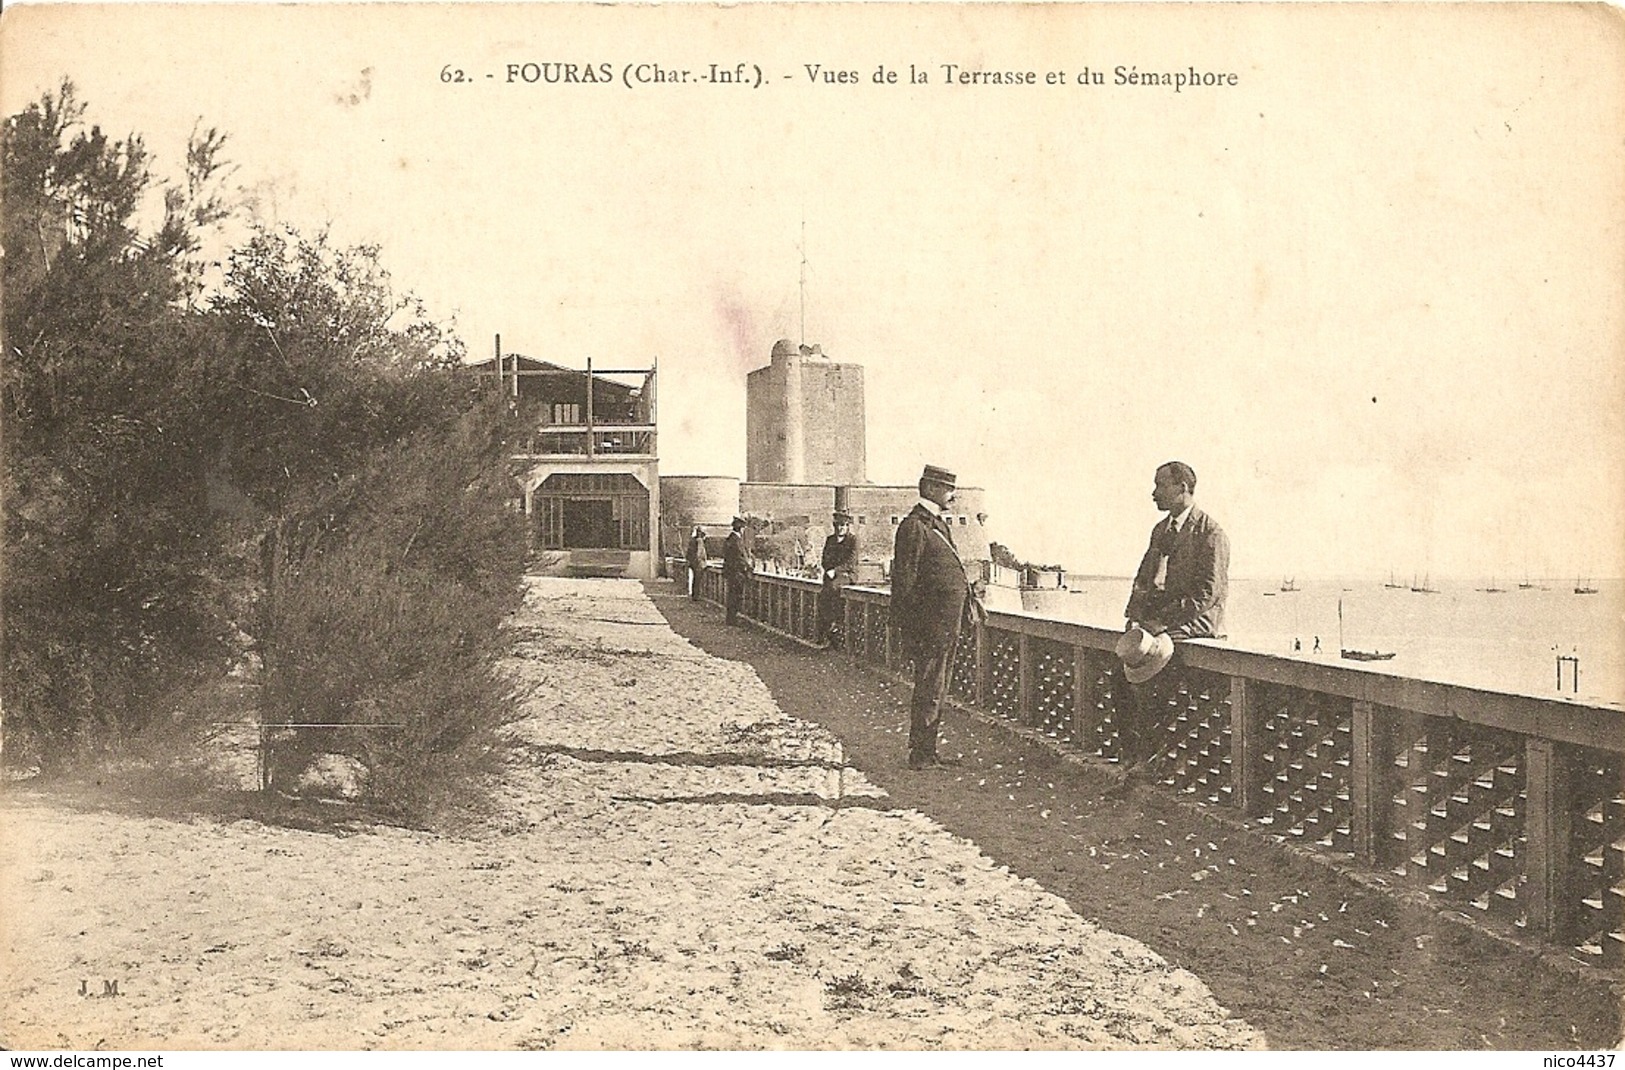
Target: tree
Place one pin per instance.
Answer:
(102, 456)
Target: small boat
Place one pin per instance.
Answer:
(1289, 586)
(1393, 584)
(1351, 654)
(1423, 587)
(1492, 588)
(1584, 587)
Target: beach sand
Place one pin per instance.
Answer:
(672, 863)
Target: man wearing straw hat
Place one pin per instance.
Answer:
(837, 567)
(1179, 593)
(930, 598)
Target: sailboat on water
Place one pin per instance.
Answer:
(1584, 587)
(1393, 584)
(1423, 587)
(1492, 588)
(1352, 654)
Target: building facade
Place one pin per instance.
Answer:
(589, 471)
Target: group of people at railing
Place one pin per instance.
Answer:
(1178, 593)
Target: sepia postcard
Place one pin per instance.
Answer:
(1261, 367)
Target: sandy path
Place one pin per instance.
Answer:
(677, 864)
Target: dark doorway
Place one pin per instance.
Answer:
(589, 524)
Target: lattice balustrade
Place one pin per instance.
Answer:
(1518, 822)
(868, 633)
(1597, 856)
(1305, 754)
(801, 626)
(1097, 733)
(880, 631)
(1003, 672)
(1052, 688)
(1193, 750)
(1458, 814)
(857, 630)
(962, 682)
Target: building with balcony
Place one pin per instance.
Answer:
(590, 467)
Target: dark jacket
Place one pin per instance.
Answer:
(736, 559)
(841, 557)
(929, 590)
(1190, 603)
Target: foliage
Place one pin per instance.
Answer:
(105, 546)
(385, 600)
(291, 455)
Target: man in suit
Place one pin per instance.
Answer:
(1179, 591)
(697, 556)
(737, 567)
(837, 566)
(930, 599)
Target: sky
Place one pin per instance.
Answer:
(1373, 292)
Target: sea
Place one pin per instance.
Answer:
(1460, 633)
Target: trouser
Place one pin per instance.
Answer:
(1143, 713)
(829, 613)
(932, 674)
(694, 582)
(733, 596)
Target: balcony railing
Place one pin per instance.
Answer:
(573, 441)
(1510, 808)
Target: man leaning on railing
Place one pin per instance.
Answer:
(1179, 593)
(737, 567)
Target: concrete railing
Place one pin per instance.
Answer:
(1510, 807)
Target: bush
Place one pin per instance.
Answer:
(383, 619)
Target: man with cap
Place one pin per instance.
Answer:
(930, 599)
(837, 567)
(737, 567)
(1179, 593)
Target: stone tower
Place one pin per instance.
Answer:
(804, 419)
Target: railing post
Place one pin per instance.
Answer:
(984, 657)
(1085, 715)
(1024, 679)
(1548, 825)
(890, 653)
(1371, 781)
(1246, 746)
